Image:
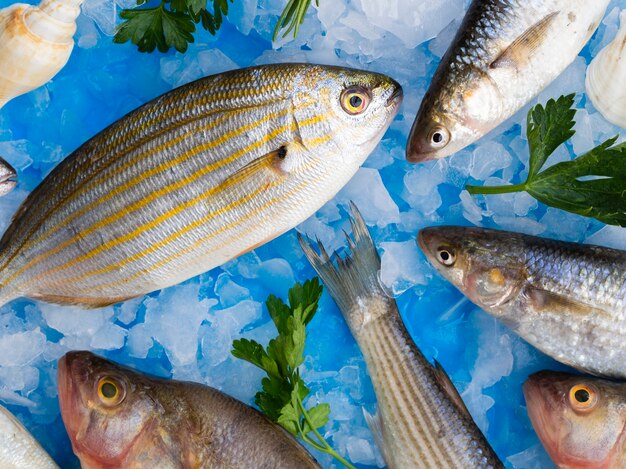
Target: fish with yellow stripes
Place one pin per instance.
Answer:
(193, 179)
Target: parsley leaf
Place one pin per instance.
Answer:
(163, 28)
(592, 185)
(283, 390)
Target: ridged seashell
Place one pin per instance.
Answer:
(606, 78)
(35, 43)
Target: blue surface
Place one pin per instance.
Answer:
(104, 81)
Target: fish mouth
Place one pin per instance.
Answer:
(70, 399)
(396, 97)
(426, 240)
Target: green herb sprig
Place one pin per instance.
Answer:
(292, 17)
(284, 390)
(171, 24)
(592, 185)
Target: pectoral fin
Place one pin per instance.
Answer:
(451, 391)
(376, 426)
(519, 52)
(545, 301)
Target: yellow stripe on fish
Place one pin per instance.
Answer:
(124, 214)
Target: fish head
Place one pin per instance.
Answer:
(358, 106)
(102, 408)
(580, 420)
(483, 264)
(453, 117)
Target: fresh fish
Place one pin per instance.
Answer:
(503, 55)
(581, 421)
(7, 177)
(117, 417)
(18, 448)
(422, 421)
(192, 179)
(566, 299)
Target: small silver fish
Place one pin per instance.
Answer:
(7, 177)
(504, 54)
(193, 179)
(119, 418)
(566, 299)
(581, 421)
(18, 448)
(423, 422)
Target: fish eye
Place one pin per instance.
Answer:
(446, 256)
(110, 391)
(355, 100)
(582, 398)
(439, 137)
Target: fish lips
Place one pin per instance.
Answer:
(70, 366)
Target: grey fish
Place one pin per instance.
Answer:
(566, 299)
(117, 417)
(7, 177)
(504, 54)
(193, 179)
(422, 421)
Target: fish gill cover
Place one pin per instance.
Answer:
(186, 331)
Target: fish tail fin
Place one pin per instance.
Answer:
(353, 283)
(8, 177)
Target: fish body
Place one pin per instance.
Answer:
(422, 421)
(18, 448)
(503, 55)
(193, 179)
(566, 299)
(7, 177)
(581, 421)
(117, 417)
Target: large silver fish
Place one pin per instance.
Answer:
(18, 448)
(566, 299)
(504, 54)
(581, 421)
(192, 179)
(119, 418)
(422, 421)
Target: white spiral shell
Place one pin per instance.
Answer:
(35, 43)
(606, 78)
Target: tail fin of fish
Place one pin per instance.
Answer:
(7, 177)
(353, 283)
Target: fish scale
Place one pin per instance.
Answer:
(191, 180)
(566, 299)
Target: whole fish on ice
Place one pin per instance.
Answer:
(193, 179)
(18, 448)
(581, 421)
(503, 55)
(422, 421)
(117, 417)
(566, 299)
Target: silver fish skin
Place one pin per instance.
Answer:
(566, 299)
(193, 179)
(580, 420)
(504, 53)
(7, 177)
(18, 448)
(119, 418)
(422, 421)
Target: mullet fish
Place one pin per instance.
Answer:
(503, 55)
(18, 448)
(117, 417)
(566, 299)
(581, 421)
(422, 421)
(193, 179)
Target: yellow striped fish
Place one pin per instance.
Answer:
(192, 179)
(422, 421)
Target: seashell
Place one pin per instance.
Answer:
(606, 78)
(35, 44)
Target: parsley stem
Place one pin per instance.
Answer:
(326, 447)
(495, 189)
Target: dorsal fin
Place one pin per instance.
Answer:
(521, 49)
(451, 391)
